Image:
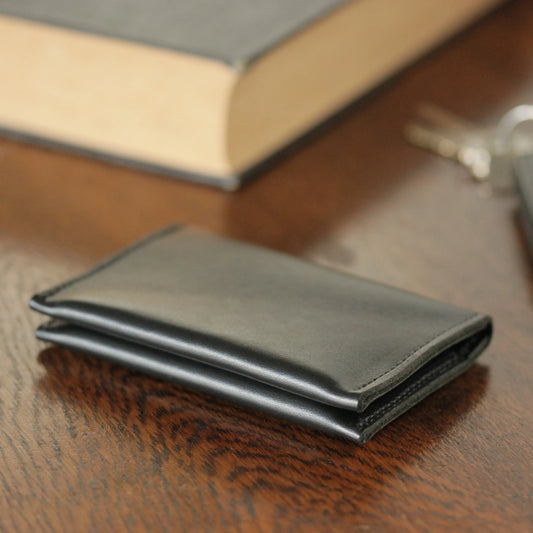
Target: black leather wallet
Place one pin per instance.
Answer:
(318, 347)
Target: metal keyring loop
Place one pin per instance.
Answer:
(508, 125)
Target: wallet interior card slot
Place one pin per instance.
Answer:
(264, 329)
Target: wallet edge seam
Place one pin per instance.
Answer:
(42, 296)
(425, 345)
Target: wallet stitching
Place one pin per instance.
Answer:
(418, 385)
(410, 354)
(110, 261)
(461, 355)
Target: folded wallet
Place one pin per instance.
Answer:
(266, 330)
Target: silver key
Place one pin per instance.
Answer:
(452, 137)
(488, 153)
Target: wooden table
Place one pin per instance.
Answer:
(87, 446)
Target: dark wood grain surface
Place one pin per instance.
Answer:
(88, 446)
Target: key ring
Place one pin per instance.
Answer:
(508, 125)
(506, 146)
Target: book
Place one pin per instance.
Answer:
(206, 90)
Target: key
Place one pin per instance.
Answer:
(501, 156)
(488, 153)
(452, 137)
